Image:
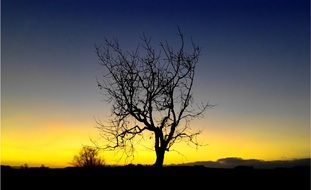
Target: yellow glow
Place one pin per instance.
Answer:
(55, 143)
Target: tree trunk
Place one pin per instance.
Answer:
(160, 157)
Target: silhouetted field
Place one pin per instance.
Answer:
(141, 177)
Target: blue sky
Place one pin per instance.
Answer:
(254, 64)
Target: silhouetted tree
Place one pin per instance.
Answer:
(150, 90)
(88, 157)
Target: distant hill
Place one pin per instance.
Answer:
(233, 162)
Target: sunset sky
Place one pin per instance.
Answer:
(254, 66)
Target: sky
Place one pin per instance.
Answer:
(254, 66)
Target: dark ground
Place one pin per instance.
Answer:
(139, 177)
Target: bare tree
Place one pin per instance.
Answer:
(88, 157)
(150, 91)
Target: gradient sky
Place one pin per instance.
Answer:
(254, 66)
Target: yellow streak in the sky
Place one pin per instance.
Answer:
(55, 144)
